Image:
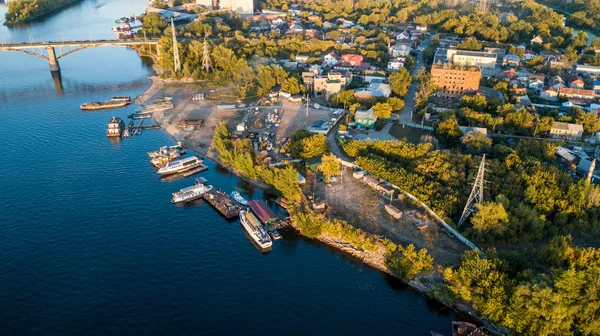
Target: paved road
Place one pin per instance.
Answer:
(409, 99)
(335, 147)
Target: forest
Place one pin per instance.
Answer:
(584, 13)
(25, 10)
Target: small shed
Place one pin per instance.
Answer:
(371, 181)
(393, 211)
(359, 174)
(192, 123)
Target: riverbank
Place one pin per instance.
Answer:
(43, 13)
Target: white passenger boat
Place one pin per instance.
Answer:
(238, 198)
(180, 166)
(191, 193)
(255, 230)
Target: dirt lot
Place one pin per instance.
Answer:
(363, 207)
(293, 115)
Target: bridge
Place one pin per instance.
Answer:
(48, 50)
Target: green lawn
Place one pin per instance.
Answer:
(413, 135)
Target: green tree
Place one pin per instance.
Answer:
(291, 85)
(476, 142)
(382, 110)
(490, 216)
(396, 103)
(400, 81)
(153, 24)
(448, 132)
(408, 262)
(330, 166)
(470, 44)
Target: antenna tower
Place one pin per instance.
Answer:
(176, 61)
(206, 65)
(476, 196)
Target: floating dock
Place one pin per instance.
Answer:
(194, 171)
(221, 201)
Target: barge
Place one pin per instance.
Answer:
(253, 227)
(115, 102)
(221, 201)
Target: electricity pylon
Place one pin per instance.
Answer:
(176, 61)
(476, 196)
(206, 64)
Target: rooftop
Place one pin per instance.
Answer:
(567, 127)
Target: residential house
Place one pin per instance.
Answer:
(475, 58)
(539, 77)
(400, 50)
(561, 130)
(395, 63)
(331, 59)
(403, 36)
(509, 74)
(329, 85)
(511, 60)
(557, 83)
(352, 62)
(523, 101)
(302, 59)
(365, 119)
(375, 89)
(500, 52)
(576, 82)
(537, 40)
(327, 25)
(470, 129)
(529, 54)
(455, 81)
(587, 69)
(346, 23)
(576, 93)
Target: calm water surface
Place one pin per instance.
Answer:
(90, 244)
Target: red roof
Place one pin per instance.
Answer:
(261, 210)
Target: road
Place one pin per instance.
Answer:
(409, 99)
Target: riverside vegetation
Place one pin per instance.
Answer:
(404, 261)
(531, 287)
(563, 281)
(25, 10)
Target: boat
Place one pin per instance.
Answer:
(255, 230)
(275, 234)
(238, 198)
(180, 166)
(115, 127)
(126, 134)
(114, 102)
(191, 193)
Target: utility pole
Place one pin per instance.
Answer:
(176, 61)
(307, 107)
(476, 196)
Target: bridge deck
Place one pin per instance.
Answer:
(58, 44)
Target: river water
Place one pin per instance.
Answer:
(90, 244)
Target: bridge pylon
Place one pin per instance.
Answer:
(52, 60)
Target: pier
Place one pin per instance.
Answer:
(221, 201)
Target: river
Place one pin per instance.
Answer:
(90, 244)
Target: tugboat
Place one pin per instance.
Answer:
(115, 102)
(115, 127)
(255, 230)
(191, 193)
(238, 198)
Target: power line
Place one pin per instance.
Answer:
(176, 61)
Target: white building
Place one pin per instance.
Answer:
(243, 7)
(395, 64)
(331, 59)
(400, 50)
(567, 131)
(475, 58)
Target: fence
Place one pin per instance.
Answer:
(411, 124)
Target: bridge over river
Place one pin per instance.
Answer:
(52, 51)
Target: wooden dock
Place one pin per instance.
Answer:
(221, 201)
(194, 171)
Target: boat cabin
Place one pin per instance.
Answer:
(262, 211)
(115, 127)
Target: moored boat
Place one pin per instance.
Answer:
(115, 102)
(275, 234)
(238, 198)
(253, 227)
(180, 166)
(115, 127)
(191, 193)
